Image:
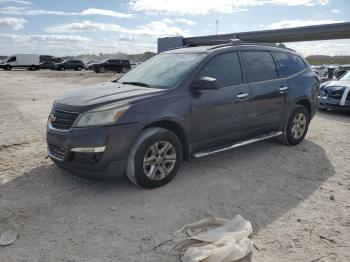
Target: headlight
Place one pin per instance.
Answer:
(338, 92)
(101, 116)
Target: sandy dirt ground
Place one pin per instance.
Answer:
(297, 198)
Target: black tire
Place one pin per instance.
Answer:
(79, 68)
(8, 68)
(135, 163)
(62, 68)
(287, 137)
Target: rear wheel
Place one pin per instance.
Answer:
(154, 158)
(297, 126)
(62, 68)
(8, 67)
(79, 68)
(124, 69)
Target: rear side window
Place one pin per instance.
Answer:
(289, 64)
(260, 66)
(225, 68)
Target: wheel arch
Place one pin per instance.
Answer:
(305, 102)
(178, 129)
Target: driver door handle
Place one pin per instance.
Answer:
(242, 95)
(283, 88)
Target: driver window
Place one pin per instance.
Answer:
(225, 68)
(12, 59)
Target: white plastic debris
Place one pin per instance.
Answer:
(215, 240)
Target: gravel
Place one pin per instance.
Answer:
(284, 191)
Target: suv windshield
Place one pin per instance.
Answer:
(163, 71)
(345, 77)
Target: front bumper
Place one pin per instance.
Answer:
(332, 103)
(92, 151)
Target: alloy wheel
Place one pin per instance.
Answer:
(299, 126)
(159, 160)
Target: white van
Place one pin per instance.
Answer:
(21, 61)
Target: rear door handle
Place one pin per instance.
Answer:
(242, 95)
(283, 88)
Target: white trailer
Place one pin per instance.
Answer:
(29, 61)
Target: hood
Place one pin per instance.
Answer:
(87, 98)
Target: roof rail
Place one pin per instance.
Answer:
(234, 42)
(231, 42)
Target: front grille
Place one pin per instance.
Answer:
(62, 119)
(56, 152)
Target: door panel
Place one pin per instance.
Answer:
(108, 65)
(219, 116)
(268, 98)
(267, 106)
(220, 113)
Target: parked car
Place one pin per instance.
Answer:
(88, 65)
(183, 103)
(335, 94)
(118, 65)
(28, 61)
(321, 71)
(70, 64)
(48, 61)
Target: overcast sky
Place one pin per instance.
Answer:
(70, 27)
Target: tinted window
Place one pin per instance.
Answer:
(289, 64)
(260, 66)
(114, 61)
(12, 59)
(225, 68)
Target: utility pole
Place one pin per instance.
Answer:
(217, 26)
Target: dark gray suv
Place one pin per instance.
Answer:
(183, 103)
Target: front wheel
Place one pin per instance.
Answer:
(154, 158)
(297, 126)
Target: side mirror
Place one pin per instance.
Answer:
(205, 83)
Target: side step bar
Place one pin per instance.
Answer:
(239, 144)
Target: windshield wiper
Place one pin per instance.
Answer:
(136, 84)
